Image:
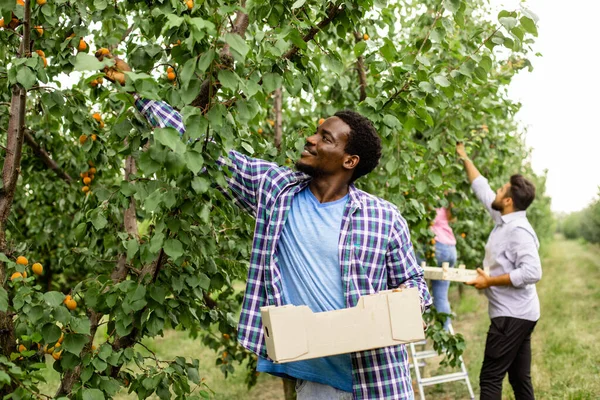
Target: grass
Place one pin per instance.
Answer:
(565, 347)
(566, 351)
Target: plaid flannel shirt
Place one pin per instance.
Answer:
(375, 254)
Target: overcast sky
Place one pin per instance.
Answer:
(560, 98)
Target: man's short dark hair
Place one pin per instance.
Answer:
(522, 191)
(363, 141)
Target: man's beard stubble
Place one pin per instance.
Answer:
(308, 170)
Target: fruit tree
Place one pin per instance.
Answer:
(123, 225)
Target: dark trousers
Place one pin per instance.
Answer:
(507, 349)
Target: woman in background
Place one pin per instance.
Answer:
(445, 251)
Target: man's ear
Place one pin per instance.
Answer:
(351, 162)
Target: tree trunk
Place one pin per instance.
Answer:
(278, 119)
(289, 389)
(10, 175)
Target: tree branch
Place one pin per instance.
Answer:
(360, 68)
(45, 157)
(278, 119)
(127, 32)
(129, 216)
(406, 85)
(210, 87)
(71, 377)
(332, 12)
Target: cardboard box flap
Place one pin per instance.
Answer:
(288, 322)
(405, 316)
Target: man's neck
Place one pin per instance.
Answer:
(328, 189)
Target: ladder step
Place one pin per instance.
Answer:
(434, 380)
(425, 354)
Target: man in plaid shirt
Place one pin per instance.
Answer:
(322, 242)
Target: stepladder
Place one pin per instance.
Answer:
(419, 357)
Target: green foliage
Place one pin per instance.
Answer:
(433, 77)
(583, 224)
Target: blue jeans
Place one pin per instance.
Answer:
(307, 390)
(439, 289)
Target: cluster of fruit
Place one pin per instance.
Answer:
(55, 350)
(88, 177)
(171, 76)
(37, 269)
(98, 118)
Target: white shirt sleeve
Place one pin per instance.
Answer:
(523, 252)
(486, 196)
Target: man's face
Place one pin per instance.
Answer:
(324, 152)
(501, 200)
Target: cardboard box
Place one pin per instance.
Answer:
(444, 273)
(388, 318)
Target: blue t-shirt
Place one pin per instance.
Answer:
(310, 269)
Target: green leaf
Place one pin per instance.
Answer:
(170, 138)
(138, 294)
(194, 161)
(452, 5)
(228, 79)
(132, 248)
(54, 299)
(26, 77)
(3, 300)
(359, 48)
(158, 293)
(187, 73)
(205, 60)
(421, 186)
(426, 87)
(388, 50)
(441, 80)
(237, 43)
(423, 60)
(200, 184)
(173, 248)
(100, 4)
(193, 375)
(93, 394)
(81, 325)
(99, 221)
(508, 22)
(271, 81)
(74, 343)
(297, 4)
(86, 62)
(51, 333)
(248, 148)
(486, 63)
(529, 25)
(435, 178)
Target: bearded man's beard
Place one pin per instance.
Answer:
(308, 169)
(497, 205)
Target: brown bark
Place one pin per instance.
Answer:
(278, 97)
(360, 68)
(72, 376)
(119, 274)
(210, 86)
(10, 175)
(332, 12)
(129, 215)
(45, 157)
